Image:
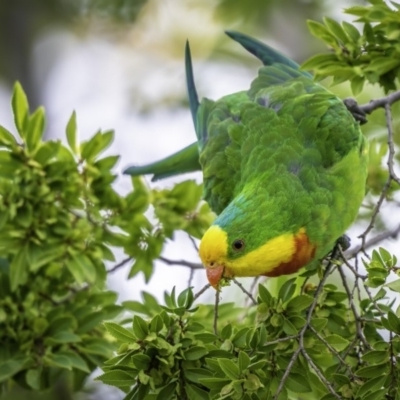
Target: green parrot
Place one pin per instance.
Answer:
(284, 168)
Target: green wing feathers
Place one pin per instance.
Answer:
(186, 160)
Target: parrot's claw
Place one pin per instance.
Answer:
(358, 113)
(344, 242)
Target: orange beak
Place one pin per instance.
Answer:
(214, 275)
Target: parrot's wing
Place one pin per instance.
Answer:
(185, 160)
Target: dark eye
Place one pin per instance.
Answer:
(238, 245)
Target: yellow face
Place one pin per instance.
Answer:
(286, 253)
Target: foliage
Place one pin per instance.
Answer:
(330, 333)
(61, 221)
(174, 354)
(371, 55)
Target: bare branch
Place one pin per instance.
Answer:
(194, 243)
(372, 242)
(201, 291)
(304, 329)
(380, 103)
(119, 265)
(390, 161)
(183, 263)
(243, 289)
(353, 308)
(216, 306)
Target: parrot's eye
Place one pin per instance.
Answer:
(238, 245)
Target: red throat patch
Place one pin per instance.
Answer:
(305, 251)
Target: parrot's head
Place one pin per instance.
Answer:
(242, 244)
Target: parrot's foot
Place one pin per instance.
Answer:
(344, 242)
(358, 113)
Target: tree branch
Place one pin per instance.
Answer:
(183, 263)
(380, 103)
(372, 242)
(119, 265)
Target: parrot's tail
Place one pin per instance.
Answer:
(186, 160)
(267, 55)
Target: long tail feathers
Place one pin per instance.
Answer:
(191, 87)
(264, 53)
(186, 160)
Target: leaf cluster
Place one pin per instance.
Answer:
(172, 353)
(370, 55)
(61, 221)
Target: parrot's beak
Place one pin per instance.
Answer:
(214, 275)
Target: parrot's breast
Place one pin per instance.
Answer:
(304, 252)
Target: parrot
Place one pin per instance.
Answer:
(284, 168)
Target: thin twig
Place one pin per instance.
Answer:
(350, 267)
(375, 213)
(304, 329)
(319, 373)
(243, 289)
(183, 263)
(390, 142)
(216, 306)
(201, 291)
(194, 243)
(353, 308)
(372, 242)
(284, 339)
(119, 265)
(332, 350)
(191, 276)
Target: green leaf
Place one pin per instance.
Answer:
(141, 361)
(373, 370)
(395, 285)
(72, 134)
(296, 383)
(376, 356)
(35, 130)
(33, 378)
(120, 333)
(319, 61)
(156, 324)
(117, 378)
(352, 32)
(287, 290)
(6, 137)
(18, 269)
(321, 32)
(140, 328)
(244, 361)
(75, 360)
(264, 294)
(337, 342)
(394, 321)
(167, 392)
(299, 303)
(58, 360)
(62, 337)
(195, 374)
(371, 385)
(336, 29)
(195, 393)
(231, 370)
(97, 144)
(195, 353)
(12, 367)
(81, 268)
(20, 108)
(226, 332)
(357, 85)
(319, 323)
